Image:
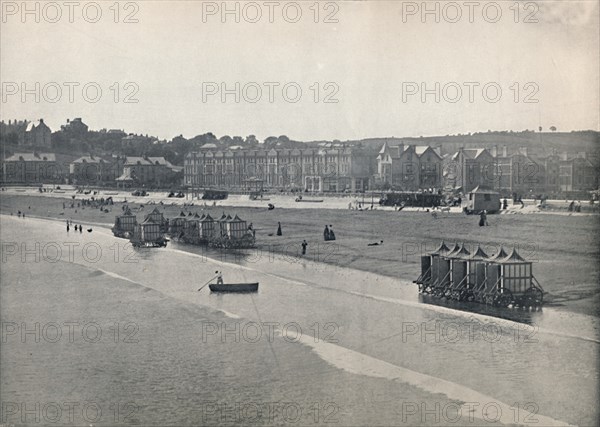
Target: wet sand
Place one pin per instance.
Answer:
(564, 248)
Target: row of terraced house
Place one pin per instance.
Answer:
(403, 167)
(334, 169)
(39, 168)
(325, 169)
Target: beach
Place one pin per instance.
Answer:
(563, 248)
(319, 343)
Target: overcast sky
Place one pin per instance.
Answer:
(371, 61)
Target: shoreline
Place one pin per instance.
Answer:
(287, 201)
(349, 251)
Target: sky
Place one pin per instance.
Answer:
(363, 69)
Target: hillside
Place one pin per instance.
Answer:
(538, 144)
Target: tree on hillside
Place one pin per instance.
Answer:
(251, 140)
(540, 128)
(271, 140)
(226, 139)
(553, 128)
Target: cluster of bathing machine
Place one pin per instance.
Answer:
(224, 232)
(503, 280)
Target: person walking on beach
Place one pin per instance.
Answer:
(304, 245)
(326, 233)
(279, 233)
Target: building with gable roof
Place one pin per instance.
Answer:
(26, 132)
(75, 127)
(95, 170)
(409, 167)
(148, 171)
(38, 133)
(469, 168)
(26, 168)
(519, 173)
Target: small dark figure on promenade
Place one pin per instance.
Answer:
(80, 229)
(304, 245)
(219, 277)
(279, 233)
(68, 227)
(571, 207)
(505, 204)
(326, 233)
(19, 213)
(331, 233)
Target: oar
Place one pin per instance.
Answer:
(203, 286)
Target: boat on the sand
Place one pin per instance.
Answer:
(233, 287)
(300, 199)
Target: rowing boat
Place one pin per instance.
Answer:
(233, 287)
(309, 200)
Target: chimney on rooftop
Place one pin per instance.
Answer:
(504, 151)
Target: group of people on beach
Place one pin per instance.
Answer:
(76, 227)
(91, 202)
(328, 233)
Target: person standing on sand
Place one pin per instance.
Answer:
(331, 233)
(482, 219)
(326, 233)
(279, 233)
(304, 245)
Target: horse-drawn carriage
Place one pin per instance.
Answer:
(504, 280)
